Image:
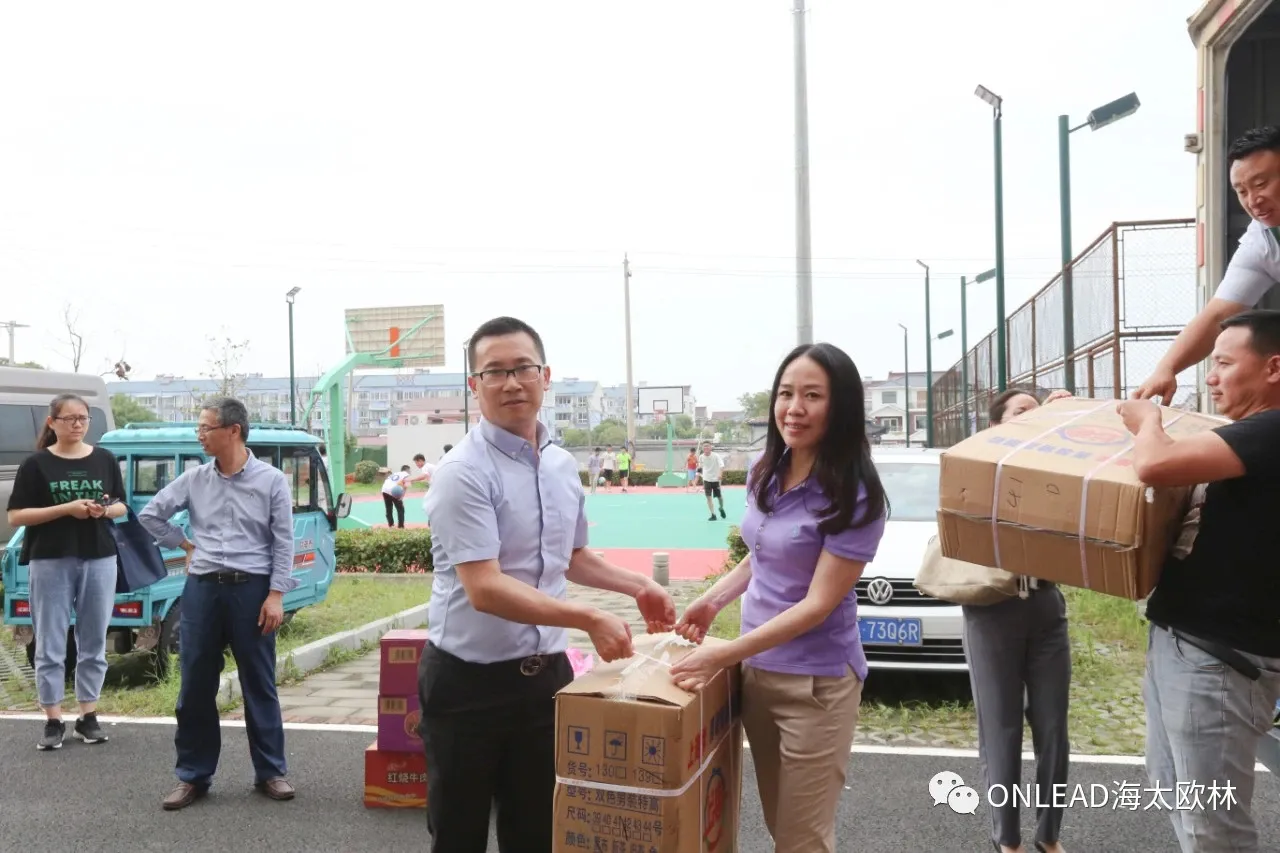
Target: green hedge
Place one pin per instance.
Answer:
(384, 551)
(366, 471)
(649, 477)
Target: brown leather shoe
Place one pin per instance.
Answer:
(182, 796)
(278, 788)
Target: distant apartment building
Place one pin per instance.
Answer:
(375, 401)
(615, 402)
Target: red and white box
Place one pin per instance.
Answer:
(400, 651)
(398, 718)
(394, 780)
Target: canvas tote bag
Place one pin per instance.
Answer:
(963, 583)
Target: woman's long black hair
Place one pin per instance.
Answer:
(843, 462)
(48, 438)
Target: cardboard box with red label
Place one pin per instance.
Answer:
(398, 718)
(394, 780)
(400, 649)
(642, 764)
(1052, 494)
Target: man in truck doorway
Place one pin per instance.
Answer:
(1253, 270)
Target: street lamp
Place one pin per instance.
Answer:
(964, 342)
(1098, 119)
(293, 405)
(928, 362)
(906, 388)
(997, 103)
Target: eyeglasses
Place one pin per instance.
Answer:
(525, 374)
(205, 430)
(74, 420)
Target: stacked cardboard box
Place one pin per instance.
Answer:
(643, 765)
(1052, 494)
(395, 769)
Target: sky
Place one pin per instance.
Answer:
(169, 174)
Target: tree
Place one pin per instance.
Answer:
(755, 404)
(126, 410)
(609, 432)
(224, 367)
(75, 340)
(575, 438)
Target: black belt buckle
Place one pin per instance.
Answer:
(230, 577)
(533, 665)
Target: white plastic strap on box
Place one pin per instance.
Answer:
(1084, 503)
(710, 754)
(995, 489)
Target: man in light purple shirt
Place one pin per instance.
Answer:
(508, 532)
(240, 565)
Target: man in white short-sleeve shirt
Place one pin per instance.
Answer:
(1254, 268)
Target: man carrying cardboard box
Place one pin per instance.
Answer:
(508, 531)
(1213, 655)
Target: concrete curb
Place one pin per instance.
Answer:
(311, 656)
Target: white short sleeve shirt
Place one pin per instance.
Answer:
(1254, 268)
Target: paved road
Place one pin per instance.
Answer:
(106, 798)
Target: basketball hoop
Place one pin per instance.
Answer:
(659, 415)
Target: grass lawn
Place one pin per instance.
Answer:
(1108, 643)
(132, 688)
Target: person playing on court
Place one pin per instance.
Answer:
(510, 531)
(593, 469)
(624, 466)
(607, 464)
(1254, 268)
(712, 465)
(393, 494)
(691, 469)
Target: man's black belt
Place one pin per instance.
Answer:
(1224, 653)
(224, 577)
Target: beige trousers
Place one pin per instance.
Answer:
(801, 731)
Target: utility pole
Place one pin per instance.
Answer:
(12, 325)
(626, 311)
(804, 252)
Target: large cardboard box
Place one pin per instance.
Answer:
(1052, 494)
(644, 767)
(398, 719)
(394, 780)
(400, 649)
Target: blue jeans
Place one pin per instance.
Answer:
(1203, 724)
(57, 588)
(215, 615)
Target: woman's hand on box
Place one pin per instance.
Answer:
(694, 672)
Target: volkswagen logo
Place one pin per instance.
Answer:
(879, 591)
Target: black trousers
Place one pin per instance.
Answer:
(488, 731)
(390, 502)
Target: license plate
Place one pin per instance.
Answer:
(883, 631)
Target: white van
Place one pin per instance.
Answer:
(24, 403)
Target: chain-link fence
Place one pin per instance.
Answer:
(1134, 289)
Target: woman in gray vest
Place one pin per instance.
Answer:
(1019, 648)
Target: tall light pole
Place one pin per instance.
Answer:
(293, 385)
(626, 312)
(997, 114)
(964, 342)
(804, 259)
(928, 362)
(906, 388)
(1096, 120)
(12, 326)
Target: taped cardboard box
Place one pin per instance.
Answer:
(398, 721)
(1052, 494)
(399, 651)
(394, 780)
(641, 765)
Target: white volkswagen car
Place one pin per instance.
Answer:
(901, 627)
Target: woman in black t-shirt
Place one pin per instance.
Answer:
(64, 495)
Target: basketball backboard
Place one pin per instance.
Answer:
(667, 399)
(401, 336)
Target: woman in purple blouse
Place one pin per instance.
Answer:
(814, 519)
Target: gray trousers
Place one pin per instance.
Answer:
(1203, 724)
(1015, 649)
